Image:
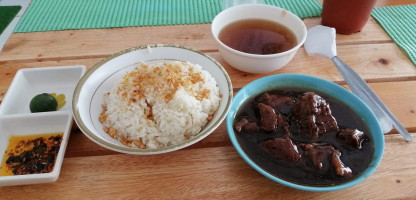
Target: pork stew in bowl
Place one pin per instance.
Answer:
(305, 132)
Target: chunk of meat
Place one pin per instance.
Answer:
(268, 119)
(247, 125)
(272, 121)
(282, 148)
(351, 137)
(324, 157)
(283, 104)
(312, 116)
(339, 167)
(251, 127)
(238, 126)
(282, 125)
(320, 155)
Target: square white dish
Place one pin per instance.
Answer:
(29, 82)
(33, 124)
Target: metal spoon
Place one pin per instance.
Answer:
(321, 41)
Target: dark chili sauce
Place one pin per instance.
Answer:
(32, 154)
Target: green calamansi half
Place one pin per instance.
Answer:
(46, 102)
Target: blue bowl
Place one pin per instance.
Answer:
(323, 87)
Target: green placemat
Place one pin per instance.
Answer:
(50, 15)
(7, 13)
(400, 23)
(301, 8)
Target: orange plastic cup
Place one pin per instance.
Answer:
(346, 16)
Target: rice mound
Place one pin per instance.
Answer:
(160, 105)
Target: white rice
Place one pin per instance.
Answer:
(160, 105)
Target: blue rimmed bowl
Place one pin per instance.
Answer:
(323, 87)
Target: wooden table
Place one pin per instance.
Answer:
(212, 169)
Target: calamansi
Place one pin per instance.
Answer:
(43, 103)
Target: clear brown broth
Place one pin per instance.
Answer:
(357, 159)
(258, 36)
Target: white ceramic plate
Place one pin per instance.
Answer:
(29, 82)
(30, 124)
(88, 95)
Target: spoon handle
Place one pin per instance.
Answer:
(359, 87)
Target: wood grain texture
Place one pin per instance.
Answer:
(93, 42)
(389, 93)
(103, 42)
(374, 62)
(211, 168)
(186, 174)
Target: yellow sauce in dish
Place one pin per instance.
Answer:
(31, 154)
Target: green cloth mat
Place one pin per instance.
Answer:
(400, 23)
(7, 13)
(51, 15)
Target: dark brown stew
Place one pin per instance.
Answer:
(304, 138)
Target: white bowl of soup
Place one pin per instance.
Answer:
(258, 38)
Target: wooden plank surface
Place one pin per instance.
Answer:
(212, 169)
(389, 93)
(390, 62)
(103, 42)
(221, 175)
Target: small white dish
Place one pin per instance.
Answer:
(29, 82)
(32, 124)
(256, 63)
(89, 93)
